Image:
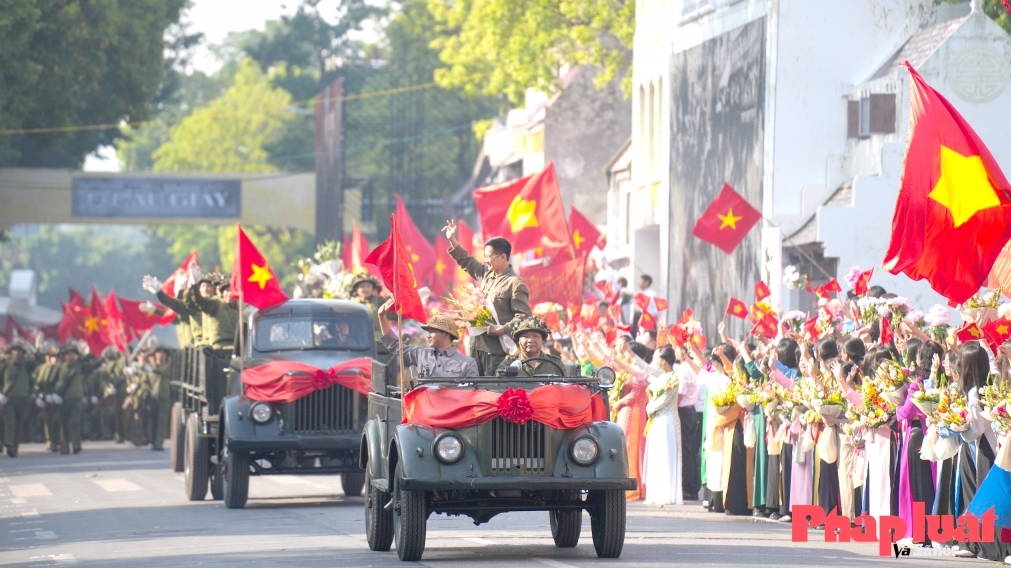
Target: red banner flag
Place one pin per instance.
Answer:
(359, 249)
(183, 277)
(727, 220)
(953, 213)
(96, 326)
(444, 272)
(527, 211)
(140, 316)
(420, 251)
(560, 280)
(761, 291)
(863, 282)
(72, 324)
(997, 332)
(118, 333)
(394, 263)
(886, 333)
(969, 332)
(737, 308)
(252, 277)
(585, 234)
(768, 326)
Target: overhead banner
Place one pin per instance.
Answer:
(164, 197)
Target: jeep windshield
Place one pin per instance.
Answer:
(313, 331)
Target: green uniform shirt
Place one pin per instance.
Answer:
(541, 368)
(15, 379)
(70, 381)
(373, 303)
(507, 292)
(160, 381)
(44, 378)
(186, 313)
(219, 321)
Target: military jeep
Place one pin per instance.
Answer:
(319, 433)
(495, 467)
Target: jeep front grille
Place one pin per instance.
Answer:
(330, 411)
(519, 450)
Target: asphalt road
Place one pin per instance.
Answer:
(116, 505)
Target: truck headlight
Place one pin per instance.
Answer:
(584, 450)
(261, 412)
(449, 448)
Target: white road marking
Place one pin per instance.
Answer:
(553, 563)
(45, 534)
(65, 558)
(288, 480)
(30, 514)
(481, 541)
(19, 501)
(30, 490)
(113, 485)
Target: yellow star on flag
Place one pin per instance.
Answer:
(964, 186)
(261, 275)
(521, 215)
(737, 309)
(974, 331)
(1002, 329)
(578, 239)
(440, 266)
(90, 325)
(729, 220)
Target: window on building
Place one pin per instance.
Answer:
(874, 114)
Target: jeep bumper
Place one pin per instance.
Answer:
(521, 483)
(296, 442)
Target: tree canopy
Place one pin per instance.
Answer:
(76, 62)
(492, 47)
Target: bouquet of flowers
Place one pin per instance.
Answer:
(796, 320)
(996, 402)
(982, 306)
(927, 399)
(899, 307)
(770, 394)
(871, 309)
(952, 410)
(893, 379)
(874, 412)
(726, 398)
(793, 279)
(470, 307)
(833, 404)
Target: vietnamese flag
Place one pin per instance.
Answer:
(886, 333)
(139, 315)
(395, 265)
(559, 280)
(527, 211)
(585, 234)
(737, 308)
(117, 332)
(252, 277)
(96, 326)
(71, 325)
(953, 213)
(969, 332)
(420, 251)
(444, 271)
(727, 220)
(997, 332)
(357, 249)
(470, 242)
(761, 291)
(768, 326)
(863, 282)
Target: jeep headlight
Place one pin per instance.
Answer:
(449, 448)
(584, 450)
(261, 412)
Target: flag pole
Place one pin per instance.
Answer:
(242, 322)
(400, 311)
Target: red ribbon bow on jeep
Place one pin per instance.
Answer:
(562, 407)
(285, 381)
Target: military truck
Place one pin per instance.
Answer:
(229, 436)
(414, 470)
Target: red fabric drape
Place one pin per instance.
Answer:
(285, 381)
(559, 406)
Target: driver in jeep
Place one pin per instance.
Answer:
(530, 333)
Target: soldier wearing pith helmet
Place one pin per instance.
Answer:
(15, 395)
(364, 289)
(530, 333)
(440, 358)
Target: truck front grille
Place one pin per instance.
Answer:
(519, 450)
(330, 411)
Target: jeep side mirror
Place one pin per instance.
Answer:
(606, 376)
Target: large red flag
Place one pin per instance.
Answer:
(359, 249)
(118, 333)
(585, 234)
(420, 251)
(559, 280)
(444, 272)
(471, 243)
(96, 326)
(953, 213)
(72, 324)
(394, 263)
(183, 277)
(140, 316)
(252, 276)
(727, 220)
(528, 212)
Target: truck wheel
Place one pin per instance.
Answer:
(177, 438)
(565, 527)
(217, 488)
(378, 521)
(352, 483)
(196, 460)
(607, 523)
(234, 476)
(410, 519)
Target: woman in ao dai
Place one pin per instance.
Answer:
(663, 433)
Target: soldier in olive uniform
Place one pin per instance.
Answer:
(187, 314)
(45, 387)
(69, 395)
(530, 334)
(364, 289)
(160, 399)
(138, 390)
(112, 383)
(500, 283)
(220, 315)
(15, 395)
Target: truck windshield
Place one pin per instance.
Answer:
(296, 332)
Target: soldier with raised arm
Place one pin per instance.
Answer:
(440, 358)
(499, 282)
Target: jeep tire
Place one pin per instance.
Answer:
(607, 522)
(410, 519)
(378, 520)
(177, 438)
(196, 460)
(565, 526)
(352, 483)
(234, 471)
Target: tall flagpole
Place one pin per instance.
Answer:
(400, 310)
(238, 279)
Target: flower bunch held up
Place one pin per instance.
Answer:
(794, 280)
(469, 307)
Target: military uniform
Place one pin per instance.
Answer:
(219, 321)
(372, 304)
(534, 368)
(70, 383)
(45, 386)
(430, 361)
(16, 386)
(159, 403)
(510, 298)
(187, 312)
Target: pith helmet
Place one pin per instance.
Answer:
(530, 323)
(361, 279)
(444, 323)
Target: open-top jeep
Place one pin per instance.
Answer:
(487, 445)
(315, 430)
